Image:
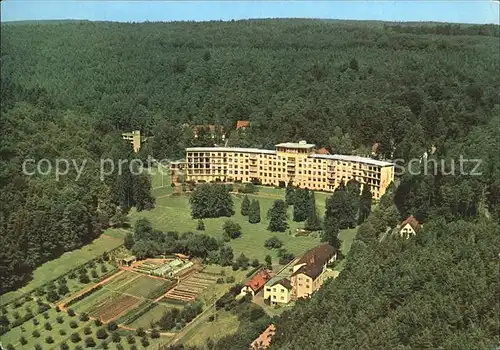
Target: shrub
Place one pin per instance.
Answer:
(10, 347)
(130, 339)
(73, 324)
(220, 280)
(64, 346)
(133, 347)
(62, 332)
(72, 275)
(38, 347)
(78, 347)
(155, 333)
(4, 310)
(87, 330)
(119, 347)
(58, 309)
(60, 319)
(36, 322)
(229, 279)
(47, 326)
(91, 264)
(201, 225)
(43, 307)
(35, 334)
(52, 296)
(211, 318)
(273, 242)
(94, 274)
(83, 278)
(235, 266)
(75, 337)
(71, 312)
(255, 263)
(104, 269)
(112, 326)
(115, 337)
(140, 332)
(63, 289)
(16, 315)
(89, 342)
(104, 345)
(23, 341)
(98, 323)
(145, 342)
(84, 317)
(101, 333)
(46, 315)
(49, 340)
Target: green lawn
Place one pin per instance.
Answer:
(65, 263)
(173, 213)
(225, 324)
(150, 317)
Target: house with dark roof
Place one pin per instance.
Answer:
(409, 227)
(278, 290)
(256, 283)
(308, 273)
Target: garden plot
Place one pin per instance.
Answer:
(191, 287)
(114, 307)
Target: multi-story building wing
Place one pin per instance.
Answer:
(296, 162)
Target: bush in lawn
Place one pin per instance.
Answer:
(72, 275)
(115, 337)
(60, 319)
(47, 326)
(255, 263)
(140, 332)
(63, 289)
(36, 322)
(73, 324)
(133, 347)
(145, 342)
(101, 333)
(87, 330)
(75, 337)
(273, 242)
(112, 326)
(42, 307)
(82, 270)
(35, 334)
(84, 317)
(71, 312)
(49, 340)
(27, 308)
(38, 347)
(46, 315)
(89, 342)
(78, 347)
(104, 345)
(94, 274)
(230, 279)
(23, 341)
(91, 264)
(58, 309)
(62, 332)
(64, 346)
(220, 280)
(130, 339)
(155, 334)
(10, 347)
(83, 278)
(52, 296)
(16, 315)
(104, 269)
(98, 322)
(235, 266)
(211, 318)
(119, 347)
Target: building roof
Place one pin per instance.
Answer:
(413, 222)
(322, 150)
(242, 124)
(230, 149)
(314, 260)
(300, 144)
(264, 339)
(285, 282)
(356, 159)
(258, 280)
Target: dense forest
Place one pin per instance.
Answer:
(69, 89)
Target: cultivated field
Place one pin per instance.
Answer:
(191, 287)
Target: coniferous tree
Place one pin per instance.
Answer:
(277, 217)
(301, 204)
(289, 194)
(254, 214)
(245, 206)
(365, 204)
(128, 240)
(313, 221)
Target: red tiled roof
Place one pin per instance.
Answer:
(415, 225)
(258, 281)
(242, 124)
(264, 339)
(322, 151)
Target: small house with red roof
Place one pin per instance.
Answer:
(242, 124)
(409, 227)
(322, 150)
(256, 283)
